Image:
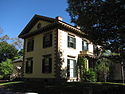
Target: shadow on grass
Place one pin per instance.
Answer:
(67, 88)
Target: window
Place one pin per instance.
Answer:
(30, 45)
(71, 42)
(47, 40)
(29, 65)
(84, 45)
(47, 64)
(71, 68)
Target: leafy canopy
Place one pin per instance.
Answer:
(6, 68)
(103, 21)
(7, 51)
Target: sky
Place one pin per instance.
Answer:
(15, 14)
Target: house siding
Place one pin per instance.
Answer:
(37, 55)
(70, 53)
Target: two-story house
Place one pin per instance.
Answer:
(44, 39)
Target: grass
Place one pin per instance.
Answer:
(111, 83)
(66, 88)
(10, 83)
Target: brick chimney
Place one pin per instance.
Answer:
(59, 18)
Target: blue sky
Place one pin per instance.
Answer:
(15, 14)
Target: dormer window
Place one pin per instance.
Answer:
(47, 40)
(84, 45)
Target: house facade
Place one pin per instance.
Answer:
(51, 45)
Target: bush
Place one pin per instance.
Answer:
(6, 68)
(89, 76)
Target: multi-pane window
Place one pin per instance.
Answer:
(85, 45)
(29, 65)
(47, 40)
(71, 42)
(30, 45)
(47, 64)
(71, 68)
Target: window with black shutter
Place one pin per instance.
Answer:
(71, 42)
(71, 68)
(47, 64)
(30, 45)
(47, 40)
(29, 65)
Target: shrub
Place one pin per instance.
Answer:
(6, 68)
(89, 76)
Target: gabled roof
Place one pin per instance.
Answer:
(18, 60)
(54, 24)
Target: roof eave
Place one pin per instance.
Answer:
(33, 21)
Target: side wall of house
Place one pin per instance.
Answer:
(37, 55)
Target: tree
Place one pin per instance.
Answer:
(17, 42)
(6, 68)
(103, 68)
(7, 51)
(103, 22)
(60, 71)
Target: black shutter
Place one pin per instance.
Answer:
(44, 42)
(75, 68)
(43, 66)
(75, 43)
(68, 68)
(68, 41)
(28, 44)
(50, 40)
(26, 67)
(50, 65)
(32, 45)
(31, 66)
(82, 45)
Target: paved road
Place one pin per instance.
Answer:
(5, 91)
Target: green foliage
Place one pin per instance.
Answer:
(7, 51)
(83, 63)
(6, 68)
(60, 73)
(103, 68)
(86, 75)
(103, 22)
(89, 76)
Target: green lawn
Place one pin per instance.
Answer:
(10, 83)
(66, 88)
